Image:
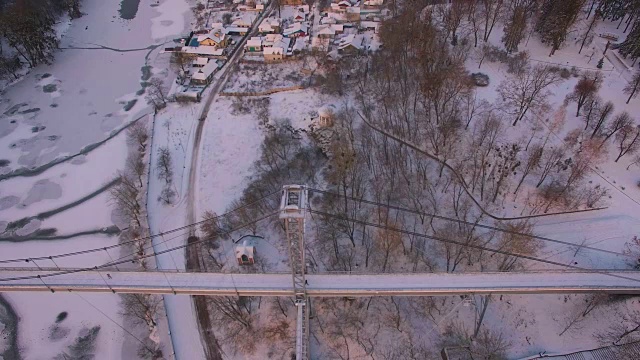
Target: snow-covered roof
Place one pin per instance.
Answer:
(276, 40)
(326, 31)
(205, 71)
(373, 2)
(273, 51)
(268, 24)
(245, 20)
(299, 16)
(203, 50)
(202, 61)
(297, 27)
(351, 40)
(370, 25)
(301, 43)
(247, 247)
(217, 35)
(236, 29)
(337, 16)
(254, 42)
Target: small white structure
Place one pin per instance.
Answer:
(246, 251)
(326, 115)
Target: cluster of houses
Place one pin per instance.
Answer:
(279, 38)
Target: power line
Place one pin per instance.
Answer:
(105, 248)
(399, 208)
(479, 247)
(141, 257)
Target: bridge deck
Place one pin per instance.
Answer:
(324, 285)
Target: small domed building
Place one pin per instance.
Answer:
(326, 115)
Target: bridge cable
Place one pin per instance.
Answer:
(103, 248)
(479, 247)
(484, 226)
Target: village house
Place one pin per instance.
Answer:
(275, 47)
(269, 25)
(299, 17)
(373, 2)
(296, 30)
(351, 44)
(200, 62)
(341, 6)
(253, 45)
(272, 54)
(244, 21)
(353, 13)
(326, 32)
(291, 2)
(215, 37)
(276, 40)
(204, 74)
(370, 25)
(204, 51)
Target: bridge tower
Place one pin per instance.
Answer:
(292, 211)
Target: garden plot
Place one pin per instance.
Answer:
(259, 77)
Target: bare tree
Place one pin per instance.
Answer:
(555, 20)
(628, 139)
(181, 62)
(534, 158)
(550, 159)
(624, 331)
(517, 240)
(514, 28)
(137, 135)
(603, 114)
(164, 165)
(592, 109)
(125, 196)
(632, 248)
(388, 241)
(619, 122)
(157, 93)
(583, 308)
(632, 88)
(136, 165)
(586, 88)
(142, 308)
(490, 345)
(528, 90)
(587, 36)
(491, 10)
